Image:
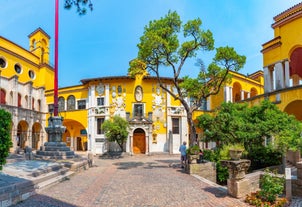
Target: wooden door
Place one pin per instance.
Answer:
(139, 143)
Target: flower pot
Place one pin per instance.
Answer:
(235, 154)
(193, 158)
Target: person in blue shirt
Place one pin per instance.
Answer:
(183, 154)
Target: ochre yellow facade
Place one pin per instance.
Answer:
(157, 122)
(24, 76)
(282, 64)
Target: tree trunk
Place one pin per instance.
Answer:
(192, 129)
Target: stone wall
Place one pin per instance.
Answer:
(293, 157)
(297, 181)
(254, 180)
(14, 193)
(206, 170)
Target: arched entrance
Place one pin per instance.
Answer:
(36, 134)
(139, 141)
(236, 92)
(294, 108)
(22, 134)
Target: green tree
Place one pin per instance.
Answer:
(160, 50)
(116, 130)
(81, 5)
(5, 136)
(236, 122)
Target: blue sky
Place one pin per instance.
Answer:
(102, 42)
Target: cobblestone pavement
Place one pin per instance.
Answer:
(133, 181)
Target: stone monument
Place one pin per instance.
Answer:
(238, 186)
(55, 148)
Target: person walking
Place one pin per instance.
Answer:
(183, 154)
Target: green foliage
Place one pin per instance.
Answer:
(228, 125)
(193, 150)
(238, 123)
(116, 130)
(160, 49)
(79, 4)
(262, 157)
(136, 67)
(271, 186)
(222, 173)
(5, 136)
(209, 155)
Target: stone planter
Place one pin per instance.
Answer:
(235, 154)
(193, 158)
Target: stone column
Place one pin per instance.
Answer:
(237, 185)
(231, 94)
(227, 94)
(242, 94)
(286, 73)
(279, 74)
(267, 80)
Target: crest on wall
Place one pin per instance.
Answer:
(138, 93)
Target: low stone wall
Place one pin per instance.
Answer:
(297, 181)
(14, 193)
(206, 170)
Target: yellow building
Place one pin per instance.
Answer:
(158, 123)
(24, 76)
(282, 63)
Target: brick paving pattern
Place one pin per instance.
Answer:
(133, 181)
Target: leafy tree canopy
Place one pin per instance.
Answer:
(116, 130)
(236, 122)
(160, 49)
(5, 136)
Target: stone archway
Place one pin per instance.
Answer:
(294, 108)
(295, 62)
(36, 135)
(139, 141)
(75, 135)
(236, 92)
(22, 129)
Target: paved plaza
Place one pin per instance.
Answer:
(135, 181)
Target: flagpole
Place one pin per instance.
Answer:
(56, 58)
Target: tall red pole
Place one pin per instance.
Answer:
(56, 58)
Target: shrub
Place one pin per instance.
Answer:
(194, 150)
(271, 186)
(5, 135)
(262, 157)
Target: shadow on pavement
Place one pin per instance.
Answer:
(128, 165)
(219, 193)
(42, 200)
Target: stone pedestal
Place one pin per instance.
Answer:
(55, 148)
(206, 170)
(238, 186)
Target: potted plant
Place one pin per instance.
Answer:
(193, 153)
(235, 151)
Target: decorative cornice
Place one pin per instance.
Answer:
(272, 44)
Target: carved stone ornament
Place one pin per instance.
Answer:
(138, 93)
(100, 89)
